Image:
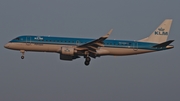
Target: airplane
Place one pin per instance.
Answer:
(74, 48)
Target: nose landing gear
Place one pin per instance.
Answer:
(22, 51)
(22, 57)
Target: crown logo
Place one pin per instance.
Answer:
(161, 29)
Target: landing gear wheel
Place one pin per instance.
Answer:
(22, 57)
(86, 63)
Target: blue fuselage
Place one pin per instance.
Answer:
(38, 40)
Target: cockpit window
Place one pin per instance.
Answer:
(17, 39)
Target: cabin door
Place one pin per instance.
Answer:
(28, 40)
(135, 45)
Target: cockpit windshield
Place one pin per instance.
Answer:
(17, 38)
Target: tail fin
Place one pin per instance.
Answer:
(160, 34)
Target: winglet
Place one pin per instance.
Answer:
(108, 34)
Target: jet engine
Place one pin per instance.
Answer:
(67, 53)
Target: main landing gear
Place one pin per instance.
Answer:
(22, 51)
(87, 58)
(87, 61)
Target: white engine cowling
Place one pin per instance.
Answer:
(67, 51)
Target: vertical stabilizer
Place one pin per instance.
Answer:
(160, 34)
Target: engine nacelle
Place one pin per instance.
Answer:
(67, 51)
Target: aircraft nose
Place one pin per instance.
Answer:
(6, 45)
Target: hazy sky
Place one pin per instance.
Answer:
(43, 77)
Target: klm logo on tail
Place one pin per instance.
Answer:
(160, 32)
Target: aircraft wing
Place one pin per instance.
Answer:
(93, 45)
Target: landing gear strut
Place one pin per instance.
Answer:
(87, 61)
(22, 51)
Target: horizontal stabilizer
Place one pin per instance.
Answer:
(164, 44)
